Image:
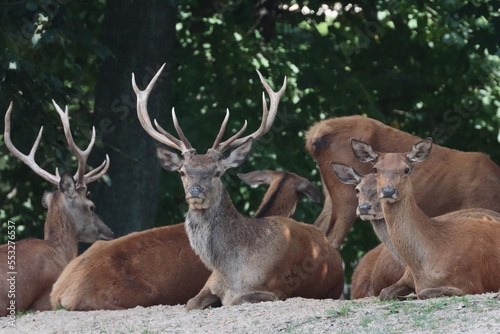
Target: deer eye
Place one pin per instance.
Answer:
(182, 173)
(92, 208)
(217, 174)
(374, 170)
(407, 170)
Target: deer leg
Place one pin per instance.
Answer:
(401, 288)
(254, 297)
(204, 299)
(440, 292)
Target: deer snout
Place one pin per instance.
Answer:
(364, 208)
(388, 193)
(196, 191)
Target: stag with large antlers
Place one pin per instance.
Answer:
(70, 219)
(251, 259)
(159, 267)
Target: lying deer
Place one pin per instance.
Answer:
(456, 254)
(382, 266)
(436, 188)
(285, 190)
(70, 219)
(251, 259)
(158, 266)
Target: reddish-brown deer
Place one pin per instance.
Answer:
(70, 219)
(455, 255)
(285, 190)
(382, 266)
(251, 259)
(436, 186)
(157, 266)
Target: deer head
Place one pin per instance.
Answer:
(366, 191)
(71, 197)
(392, 170)
(201, 173)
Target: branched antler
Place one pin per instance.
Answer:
(183, 144)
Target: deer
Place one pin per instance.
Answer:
(26, 282)
(456, 254)
(382, 266)
(158, 266)
(285, 190)
(251, 259)
(329, 140)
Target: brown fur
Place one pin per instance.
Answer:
(39, 262)
(152, 267)
(252, 259)
(30, 267)
(456, 254)
(436, 188)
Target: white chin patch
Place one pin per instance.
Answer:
(198, 203)
(366, 217)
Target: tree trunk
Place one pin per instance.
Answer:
(140, 36)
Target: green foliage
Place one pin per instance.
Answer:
(428, 68)
(49, 51)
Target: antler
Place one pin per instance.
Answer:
(183, 144)
(81, 178)
(30, 158)
(268, 117)
(160, 135)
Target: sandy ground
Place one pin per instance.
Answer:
(468, 314)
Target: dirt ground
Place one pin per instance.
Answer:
(468, 314)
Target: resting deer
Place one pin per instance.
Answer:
(382, 266)
(436, 188)
(251, 259)
(70, 219)
(285, 190)
(456, 254)
(157, 266)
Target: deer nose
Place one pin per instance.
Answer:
(364, 208)
(195, 191)
(387, 192)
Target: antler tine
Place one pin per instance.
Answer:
(29, 159)
(81, 156)
(142, 113)
(221, 130)
(268, 116)
(98, 172)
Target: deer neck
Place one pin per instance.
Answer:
(60, 232)
(380, 228)
(215, 233)
(410, 230)
(280, 200)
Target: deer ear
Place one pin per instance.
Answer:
(310, 190)
(420, 151)
(46, 198)
(67, 185)
(363, 151)
(346, 174)
(256, 177)
(168, 159)
(235, 157)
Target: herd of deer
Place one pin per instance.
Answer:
(218, 256)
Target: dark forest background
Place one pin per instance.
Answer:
(431, 68)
